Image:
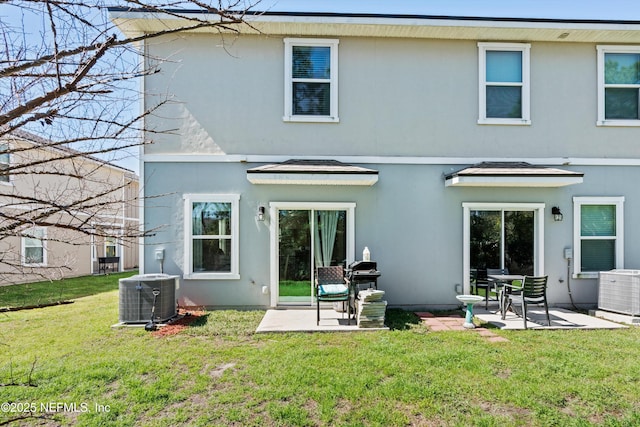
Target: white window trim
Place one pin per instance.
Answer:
(44, 248)
(275, 207)
(10, 180)
(602, 50)
(525, 48)
(288, 83)
(578, 202)
(234, 199)
(538, 243)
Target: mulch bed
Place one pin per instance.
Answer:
(173, 327)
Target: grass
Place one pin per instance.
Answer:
(218, 372)
(52, 292)
(292, 288)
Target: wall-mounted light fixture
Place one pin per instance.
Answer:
(261, 211)
(557, 215)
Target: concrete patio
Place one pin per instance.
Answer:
(560, 319)
(303, 319)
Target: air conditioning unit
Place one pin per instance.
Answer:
(136, 298)
(619, 291)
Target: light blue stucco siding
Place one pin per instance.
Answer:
(397, 97)
(411, 222)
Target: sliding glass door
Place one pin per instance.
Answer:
(502, 240)
(503, 236)
(306, 238)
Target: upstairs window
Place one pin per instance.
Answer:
(598, 235)
(311, 80)
(618, 85)
(4, 163)
(504, 83)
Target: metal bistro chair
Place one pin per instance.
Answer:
(534, 291)
(494, 285)
(331, 285)
(479, 281)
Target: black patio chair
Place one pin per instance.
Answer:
(331, 285)
(494, 285)
(534, 291)
(478, 281)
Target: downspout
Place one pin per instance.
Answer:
(122, 228)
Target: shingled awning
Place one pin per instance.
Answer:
(512, 174)
(312, 172)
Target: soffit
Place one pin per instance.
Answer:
(430, 27)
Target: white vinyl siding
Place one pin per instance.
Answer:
(504, 93)
(311, 80)
(618, 85)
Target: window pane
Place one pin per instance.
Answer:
(504, 102)
(211, 255)
(211, 219)
(621, 103)
(311, 99)
(485, 232)
(504, 66)
(110, 251)
(34, 255)
(4, 163)
(598, 255)
(311, 62)
(35, 234)
(622, 68)
(598, 220)
(519, 236)
(30, 242)
(4, 154)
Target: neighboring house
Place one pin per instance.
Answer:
(444, 144)
(41, 176)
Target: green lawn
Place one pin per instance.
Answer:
(218, 372)
(292, 288)
(44, 293)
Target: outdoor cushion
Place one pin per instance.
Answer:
(333, 290)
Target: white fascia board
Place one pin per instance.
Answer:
(426, 21)
(511, 181)
(312, 179)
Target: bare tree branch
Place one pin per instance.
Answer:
(69, 102)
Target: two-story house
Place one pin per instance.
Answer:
(63, 211)
(444, 144)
